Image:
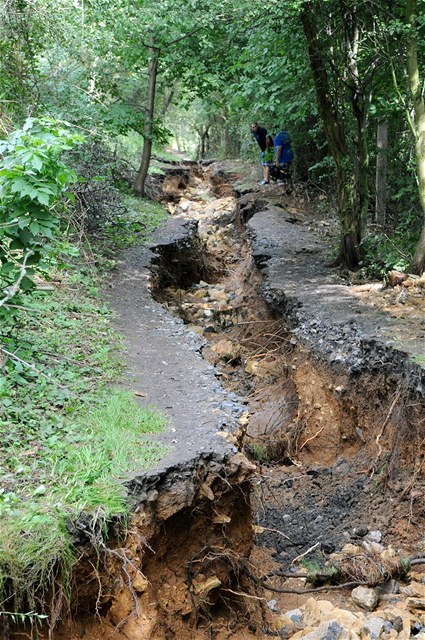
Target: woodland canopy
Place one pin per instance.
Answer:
(344, 78)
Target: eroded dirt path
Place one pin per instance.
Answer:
(294, 430)
(321, 414)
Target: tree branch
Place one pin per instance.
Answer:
(13, 290)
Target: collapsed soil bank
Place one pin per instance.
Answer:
(328, 393)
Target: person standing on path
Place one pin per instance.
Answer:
(283, 151)
(259, 135)
(268, 159)
(283, 155)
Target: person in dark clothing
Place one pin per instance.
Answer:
(259, 135)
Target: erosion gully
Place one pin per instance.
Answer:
(308, 489)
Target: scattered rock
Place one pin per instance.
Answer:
(374, 536)
(221, 519)
(226, 350)
(140, 583)
(373, 547)
(375, 627)
(365, 598)
(414, 589)
(398, 624)
(263, 368)
(295, 615)
(351, 550)
(326, 631)
(388, 587)
(202, 588)
(416, 603)
(272, 605)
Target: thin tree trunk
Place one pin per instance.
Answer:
(362, 182)
(139, 184)
(415, 84)
(205, 137)
(360, 99)
(168, 98)
(349, 250)
(381, 173)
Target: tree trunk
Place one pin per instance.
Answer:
(168, 99)
(205, 143)
(363, 183)
(228, 143)
(381, 173)
(349, 253)
(415, 84)
(139, 183)
(360, 98)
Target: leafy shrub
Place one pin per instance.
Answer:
(391, 250)
(33, 183)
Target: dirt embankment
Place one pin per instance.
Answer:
(254, 349)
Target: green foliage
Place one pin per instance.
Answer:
(22, 618)
(259, 452)
(142, 218)
(67, 438)
(318, 574)
(75, 471)
(22, 31)
(391, 250)
(33, 180)
(313, 569)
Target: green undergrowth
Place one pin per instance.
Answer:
(391, 249)
(68, 437)
(138, 224)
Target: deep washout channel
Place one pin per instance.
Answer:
(312, 430)
(215, 544)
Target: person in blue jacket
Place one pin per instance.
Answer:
(283, 151)
(259, 135)
(283, 158)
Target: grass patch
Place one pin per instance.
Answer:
(67, 438)
(78, 473)
(142, 218)
(418, 359)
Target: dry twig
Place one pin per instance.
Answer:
(306, 552)
(381, 433)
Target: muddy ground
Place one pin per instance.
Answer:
(295, 401)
